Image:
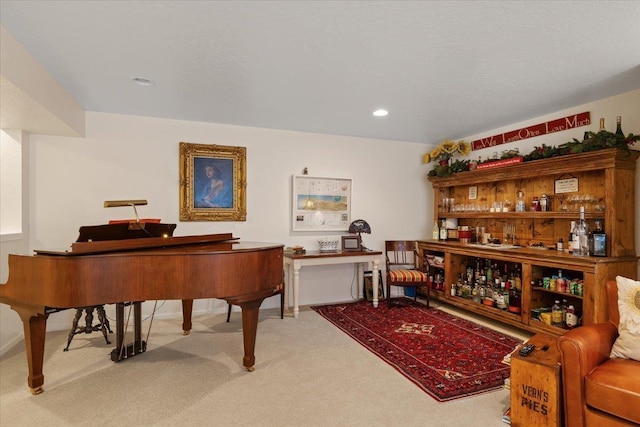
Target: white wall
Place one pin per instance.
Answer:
(127, 157)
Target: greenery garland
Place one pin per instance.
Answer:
(592, 142)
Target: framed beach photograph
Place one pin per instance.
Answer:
(320, 204)
(212, 182)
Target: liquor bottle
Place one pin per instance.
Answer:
(517, 279)
(535, 204)
(503, 299)
(506, 287)
(572, 318)
(466, 289)
(570, 239)
(520, 205)
(475, 294)
(498, 300)
(488, 288)
(496, 271)
(560, 282)
(515, 300)
(556, 314)
(459, 289)
(619, 132)
(454, 291)
(435, 233)
(470, 273)
(599, 240)
(581, 236)
(443, 231)
(544, 203)
(565, 309)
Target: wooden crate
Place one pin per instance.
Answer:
(536, 390)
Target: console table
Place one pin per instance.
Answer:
(293, 263)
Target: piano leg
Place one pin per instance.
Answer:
(250, 311)
(35, 327)
(187, 309)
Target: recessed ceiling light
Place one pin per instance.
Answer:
(380, 113)
(141, 81)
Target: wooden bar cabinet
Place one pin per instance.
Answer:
(603, 181)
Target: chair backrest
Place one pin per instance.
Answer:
(612, 302)
(401, 253)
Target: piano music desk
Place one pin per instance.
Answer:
(293, 263)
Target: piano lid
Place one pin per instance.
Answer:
(100, 247)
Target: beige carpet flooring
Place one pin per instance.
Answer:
(308, 373)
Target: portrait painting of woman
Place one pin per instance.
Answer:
(213, 183)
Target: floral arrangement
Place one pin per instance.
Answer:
(591, 142)
(446, 150)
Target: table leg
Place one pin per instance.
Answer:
(360, 276)
(374, 281)
(296, 288)
(287, 286)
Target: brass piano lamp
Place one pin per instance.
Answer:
(132, 203)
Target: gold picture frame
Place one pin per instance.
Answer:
(212, 182)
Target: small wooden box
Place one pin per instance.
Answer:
(536, 390)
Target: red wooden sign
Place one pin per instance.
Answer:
(569, 122)
(499, 163)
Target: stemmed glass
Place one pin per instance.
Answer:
(562, 198)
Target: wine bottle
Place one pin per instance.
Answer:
(581, 236)
(619, 132)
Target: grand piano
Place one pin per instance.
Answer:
(130, 271)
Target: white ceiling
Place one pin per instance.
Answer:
(443, 69)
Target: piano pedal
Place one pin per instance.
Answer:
(117, 354)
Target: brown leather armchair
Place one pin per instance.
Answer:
(598, 390)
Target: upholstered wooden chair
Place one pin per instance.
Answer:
(403, 267)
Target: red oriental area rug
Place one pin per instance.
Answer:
(446, 356)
